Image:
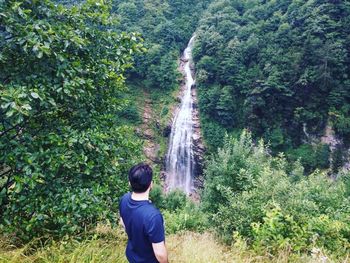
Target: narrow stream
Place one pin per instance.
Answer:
(180, 161)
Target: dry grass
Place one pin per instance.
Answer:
(204, 248)
(109, 245)
(196, 248)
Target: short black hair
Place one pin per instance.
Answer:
(140, 177)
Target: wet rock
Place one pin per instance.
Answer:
(199, 182)
(330, 138)
(195, 196)
(167, 131)
(162, 175)
(151, 151)
(347, 161)
(198, 152)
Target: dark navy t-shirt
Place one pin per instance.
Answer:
(144, 225)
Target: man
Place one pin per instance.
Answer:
(143, 222)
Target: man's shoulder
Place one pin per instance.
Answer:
(152, 211)
(124, 198)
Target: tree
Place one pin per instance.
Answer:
(61, 72)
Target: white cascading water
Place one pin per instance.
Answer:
(179, 160)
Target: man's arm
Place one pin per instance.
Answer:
(160, 252)
(121, 222)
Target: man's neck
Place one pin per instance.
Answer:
(140, 196)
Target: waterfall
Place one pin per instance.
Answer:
(179, 160)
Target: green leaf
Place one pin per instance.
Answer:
(6, 105)
(10, 113)
(26, 107)
(34, 95)
(40, 54)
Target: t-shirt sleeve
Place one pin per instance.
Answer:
(121, 204)
(156, 229)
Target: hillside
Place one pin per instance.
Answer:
(280, 69)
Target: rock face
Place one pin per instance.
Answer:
(198, 145)
(167, 131)
(336, 144)
(150, 148)
(330, 138)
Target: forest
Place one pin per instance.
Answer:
(280, 69)
(273, 87)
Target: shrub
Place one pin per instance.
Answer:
(179, 212)
(233, 168)
(131, 113)
(157, 196)
(255, 195)
(175, 200)
(172, 201)
(189, 217)
(311, 156)
(281, 231)
(278, 232)
(213, 134)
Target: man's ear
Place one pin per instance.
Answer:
(151, 186)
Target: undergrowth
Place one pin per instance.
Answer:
(108, 245)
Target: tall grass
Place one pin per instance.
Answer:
(108, 245)
(104, 245)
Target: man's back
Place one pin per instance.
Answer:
(144, 225)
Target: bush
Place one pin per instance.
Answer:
(233, 168)
(179, 212)
(255, 195)
(189, 217)
(280, 231)
(213, 134)
(157, 196)
(311, 156)
(175, 200)
(131, 114)
(172, 201)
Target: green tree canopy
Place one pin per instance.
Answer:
(63, 152)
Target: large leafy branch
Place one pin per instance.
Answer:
(62, 83)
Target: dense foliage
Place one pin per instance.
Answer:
(279, 68)
(180, 213)
(63, 151)
(166, 27)
(253, 196)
